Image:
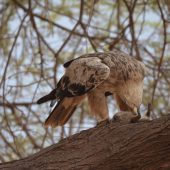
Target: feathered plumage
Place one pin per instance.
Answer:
(96, 76)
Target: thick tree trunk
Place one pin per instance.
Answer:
(142, 145)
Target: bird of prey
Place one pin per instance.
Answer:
(96, 76)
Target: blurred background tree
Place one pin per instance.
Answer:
(37, 37)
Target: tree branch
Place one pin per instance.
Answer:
(113, 145)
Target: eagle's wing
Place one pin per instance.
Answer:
(81, 76)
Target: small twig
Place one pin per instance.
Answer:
(163, 51)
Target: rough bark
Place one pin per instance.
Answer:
(110, 145)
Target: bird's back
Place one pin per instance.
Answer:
(122, 66)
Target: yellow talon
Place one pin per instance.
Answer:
(135, 110)
(138, 116)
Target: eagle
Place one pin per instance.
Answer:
(95, 76)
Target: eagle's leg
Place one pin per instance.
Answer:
(138, 115)
(98, 104)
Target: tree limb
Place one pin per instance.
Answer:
(110, 145)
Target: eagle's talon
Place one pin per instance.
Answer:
(135, 119)
(108, 121)
(116, 118)
(104, 120)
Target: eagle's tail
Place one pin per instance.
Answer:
(48, 97)
(61, 112)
